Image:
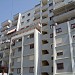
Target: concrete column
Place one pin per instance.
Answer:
(9, 71)
(37, 51)
(71, 48)
(54, 51)
(22, 56)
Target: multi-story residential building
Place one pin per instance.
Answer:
(40, 41)
(64, 53)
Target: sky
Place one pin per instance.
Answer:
(8, 8)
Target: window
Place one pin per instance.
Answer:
(50, 4)
(50, 10)
(45, 63)
(28, 20)
(31, 57)
(23, 17)
(18, 70)
(45, 52)
(22, 23)
(31, 46)
(51, 18)
(51, 26)
(59, 53)
(44, 41)
(44, 32)
(28, 14)
(60, 66)
(31, 35)
(51, 35)
(72, 26)
(19, 49)
(58, 30)
(20, 40)
(31, 70)
(18, 59)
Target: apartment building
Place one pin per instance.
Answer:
(31, 41)
(40, 41)
(64, 18)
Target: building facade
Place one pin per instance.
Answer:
(40, 41)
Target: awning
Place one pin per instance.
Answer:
(11, 31)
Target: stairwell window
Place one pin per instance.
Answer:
(58, 30)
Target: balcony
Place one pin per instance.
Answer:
(61, 3)
(45, 20)
(14, 22)
(64, 17)
(16, 16)
(4, 32)
(36, 20)
(44, 2)
(6, 23)
(46, 57)
(46, 36)
(45, 47)
(45, 7)
(45, 69)
(45, 28)
(44, 12)
(37, 14)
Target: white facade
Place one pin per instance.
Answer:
(41, 40)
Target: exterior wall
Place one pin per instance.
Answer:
(27, 52)
(43, 57)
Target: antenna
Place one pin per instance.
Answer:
(11, 8)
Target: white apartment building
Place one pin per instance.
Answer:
(64, 53)
(40, 41)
